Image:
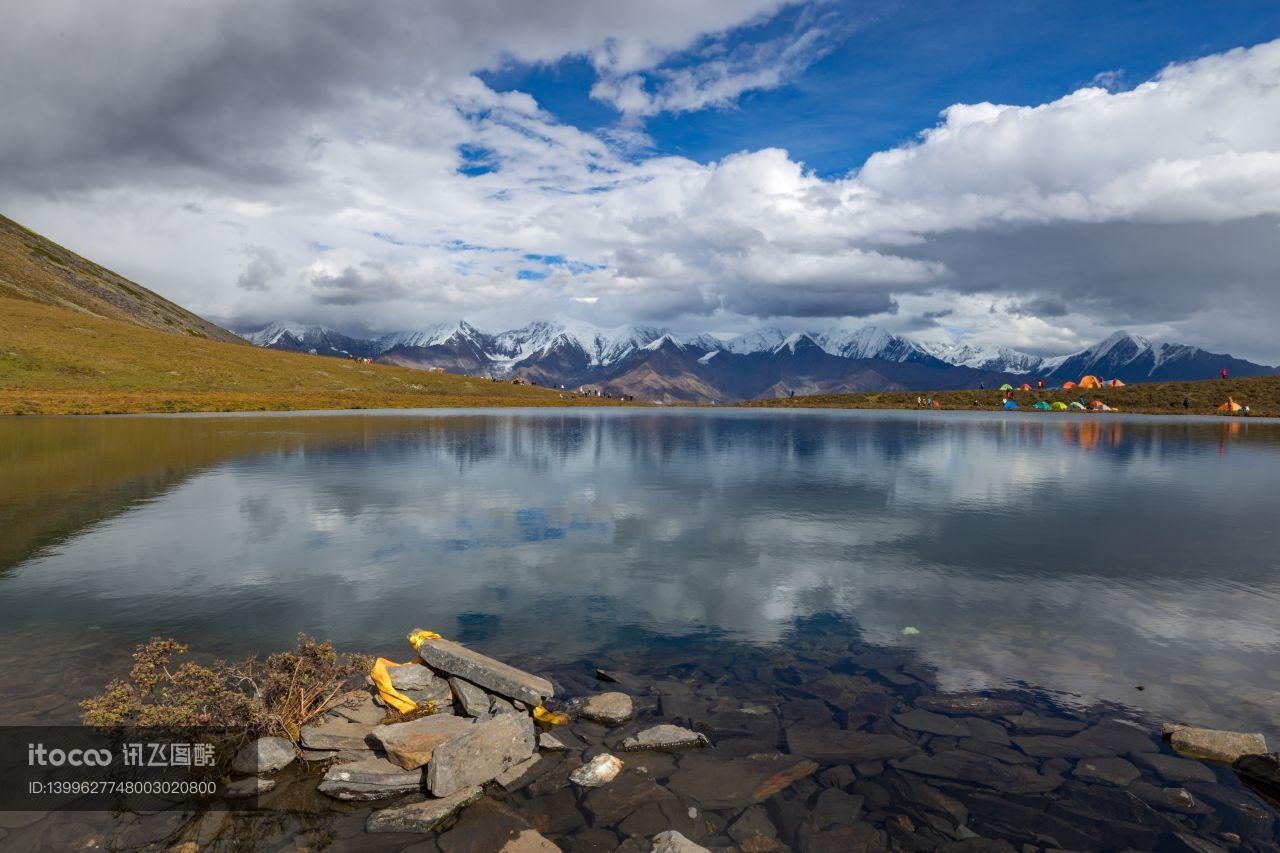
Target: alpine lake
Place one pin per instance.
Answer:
(1016, 598)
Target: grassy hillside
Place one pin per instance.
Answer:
(35, 269)
(1261, 394)
(57, 360)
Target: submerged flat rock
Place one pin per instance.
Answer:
(1215, 745)
(456, 659)
(716, 783)
(424, 816)
(838, 746)
(369, 779)
(664, 737)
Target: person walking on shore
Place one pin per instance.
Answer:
(1224, 373)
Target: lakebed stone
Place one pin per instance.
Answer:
(411, 744)
(549, 742)
(664, 737)
(265, 755)
(600, 770)
(1115, 771)
(480, 752)
(977, 706)
(251, 786)
(529, 841)
(424, 816)
(370, 779)
(716, 783)
(610, 709)
(494, 675)
(1214, 745)
(962, 766)
(673, 842)
(1261, 772)
(838, 746)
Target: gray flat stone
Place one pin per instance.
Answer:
(549, 742)
(935, 724)
(371, 779)
(978, 706)
(336, 733)
(360, 708)
(1034, 724)
(480, 753)
(499, 705)
(1215, 745)
(838, 746)
(611, 709)
(265, 755)
(1115, 771)
(414, 676)
(242, 789)
(472, 699)
(458, 660)
(424, 816)
(664, 737)
(529, 841)
(717, 783)
(1171, 768)
(511, 777)
(410, 744)
(962, 766)
(673, 842)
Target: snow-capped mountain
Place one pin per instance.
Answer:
(654, 363)
(1004, 359)
(1133, 358)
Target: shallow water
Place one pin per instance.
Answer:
(1074, 558)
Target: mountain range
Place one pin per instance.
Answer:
(651, 363)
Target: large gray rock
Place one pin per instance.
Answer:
(456, 659)
(611, 709)
(1215, 745)
(472, 699)
(359, 708)
(664, 737)
(480, 753)
(370, 779)
(332, 732)
(1262, 773)
(265, 755)
(1116, 771)
(411, 744)
(424, 816)
(673, 842)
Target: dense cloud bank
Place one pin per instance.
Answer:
(318, 162)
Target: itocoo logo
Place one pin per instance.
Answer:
(37, 755)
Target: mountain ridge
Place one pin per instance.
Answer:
(645, 361)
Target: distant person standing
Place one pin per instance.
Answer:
(1186, 403)
(1224, 373)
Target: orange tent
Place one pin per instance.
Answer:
(1114, 383)
(1068, 385)
(1089, 381)
(1025, 387)
(1230, 406)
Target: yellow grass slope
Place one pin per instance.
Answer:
(36, 269)
(57, 360)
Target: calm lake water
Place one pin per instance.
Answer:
(1074, 556)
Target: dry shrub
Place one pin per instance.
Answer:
(275, 696)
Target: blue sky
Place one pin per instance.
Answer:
(902, 63)
(1030, 174)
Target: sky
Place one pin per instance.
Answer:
(1035, 176)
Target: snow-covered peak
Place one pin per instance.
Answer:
(766, 339)
(866, 342)
(1002, 359)
(1121, 338)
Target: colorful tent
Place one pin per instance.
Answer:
(1042, 406)
(1230, 406)
(934, 404)
(1089, 381)
(1006, 387)
(1059, 407)
(1078, 405)
(1025, 387)
(1011, 404)
(1067, 386)
(1114, 383)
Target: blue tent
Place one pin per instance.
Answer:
(1011, 404)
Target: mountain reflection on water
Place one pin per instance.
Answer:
(1074, 554)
